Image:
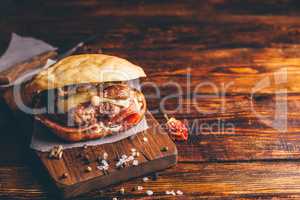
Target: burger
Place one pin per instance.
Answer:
(88, 96)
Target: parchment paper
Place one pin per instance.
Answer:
(21, 49)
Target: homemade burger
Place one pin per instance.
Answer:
(88, 96)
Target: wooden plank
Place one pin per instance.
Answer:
(11, 74)
(251, 138)
(238, 111)
(79, 181)
(179, 29)
(253, 180)
(168, 38)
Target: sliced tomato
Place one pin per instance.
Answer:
(124, 113)
(132, 119)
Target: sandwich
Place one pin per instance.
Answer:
(88, 96)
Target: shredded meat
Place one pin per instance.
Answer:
(82, 116)
(108, 109)
(85, 115)
(117, 92)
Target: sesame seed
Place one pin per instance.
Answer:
(56, 152)
(135, 163)
(149, 192)
(122, 191)
(145, 139)
(115, 198)
(130, 158)
(60, 155)
(145, 179)
(88, 169)
(172, 192)
(140, 188)
(59, 148)
(133, 150)
(119, 163)
(104, 163)
(179, 192)
(85, 146)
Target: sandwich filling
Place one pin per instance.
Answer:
(96, 107)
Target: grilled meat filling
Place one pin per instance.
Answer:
(114, 102)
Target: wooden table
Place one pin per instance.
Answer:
(243, 54)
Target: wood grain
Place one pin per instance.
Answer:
(79, 181)
(254, 180)
(225, 42)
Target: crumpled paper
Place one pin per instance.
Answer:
(24, 48)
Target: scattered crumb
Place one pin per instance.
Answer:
(149, 192)
(179, 192)
(135, 163)
(172, 192)
(56, 152)
(122, 191)
(145, 179)
(139, 188)
(88, 169)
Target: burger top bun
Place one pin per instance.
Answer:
(85, 68)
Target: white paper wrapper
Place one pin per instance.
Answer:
(21, 49)
(43, 140)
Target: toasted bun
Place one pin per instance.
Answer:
(75, 134)
(85, 68)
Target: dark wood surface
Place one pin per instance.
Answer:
(79, 181)
(225, 42)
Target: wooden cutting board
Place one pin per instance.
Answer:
(152, 158)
